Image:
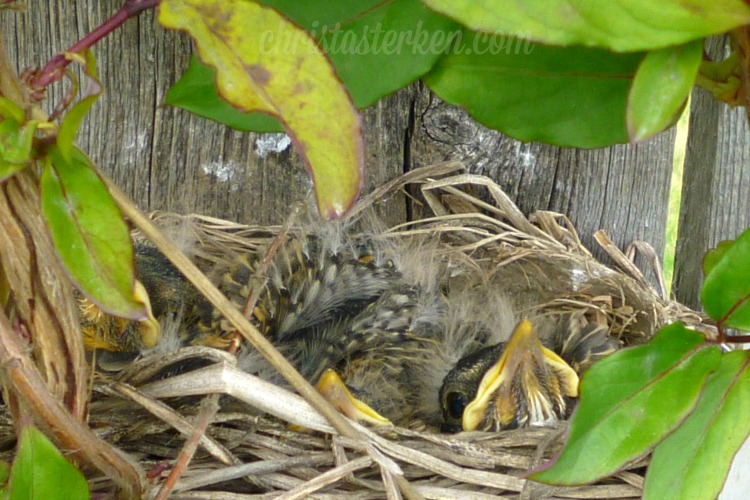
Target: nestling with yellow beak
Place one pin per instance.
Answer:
(390, 332)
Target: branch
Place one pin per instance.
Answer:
(55, 68)
(23, 377)
(230, 312)
(243, 326)
(741, 41)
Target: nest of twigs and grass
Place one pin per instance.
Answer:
(261, 440)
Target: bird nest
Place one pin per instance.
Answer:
(250, 450)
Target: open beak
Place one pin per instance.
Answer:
(335, 391)
(527, 385)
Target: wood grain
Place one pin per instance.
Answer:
(167, 159)
(716, 183)
(622, 189)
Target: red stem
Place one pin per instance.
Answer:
(54, 69)
(738, 339)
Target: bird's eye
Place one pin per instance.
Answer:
(456, 403)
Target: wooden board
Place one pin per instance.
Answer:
(623, 189)
(715, 199)
(167, 159)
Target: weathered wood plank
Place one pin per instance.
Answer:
(165, 158)
(623, 189)
(716, 183)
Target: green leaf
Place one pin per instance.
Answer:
(248, 45)
(661, 88)
(386, 48)
(629, 402)
(568, 97)
(318, 16)
(40, 472)
(75, 115)
(11, 111)
(4, 472)
(376, 50)
(619, 25)
(726, 289)
(195, 92)
(694, 461)
(89, 233)
(714, 256)
(15, 146)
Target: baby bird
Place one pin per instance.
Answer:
(166, 294)
(373, 323)
(522, 382)
(353, 314)
(334, 303)
(390, 332)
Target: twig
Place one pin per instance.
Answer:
(23, 379)
(442, 467)
(208, 411)
(55, 68)
(622, 261)
(227, 379)
(211, 403)
(258, 278)
(253, 469)
(741, 41)
(243, 326)
(231, 313)
(21, 374)
(502, 200)
(323, 480)
(413, 176)
(649, 254)
(174, 419)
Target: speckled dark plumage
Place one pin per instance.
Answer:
(349, 307)
(310, 283)
(170, 296)
(385, 318)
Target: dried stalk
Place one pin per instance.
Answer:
(23, 378)
(52, 390)
(238, 320)
(466, 465)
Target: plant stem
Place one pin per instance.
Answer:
(238, 320)
(231, 313)
(55, 68)
(22, 377)
(740, 38)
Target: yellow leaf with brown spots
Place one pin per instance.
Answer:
(266, 64)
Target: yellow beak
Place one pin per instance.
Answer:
(101, 331)
(518, 361)
(335, 391)
(149, 328)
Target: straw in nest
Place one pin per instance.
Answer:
(251, 451)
